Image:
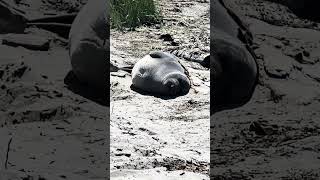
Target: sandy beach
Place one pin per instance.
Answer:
(55, 133)
(154, 137)
(50, 130)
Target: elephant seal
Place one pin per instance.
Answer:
(160, 73)
(88, 44)
(234, 70)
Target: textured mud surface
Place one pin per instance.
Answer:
(154, 137)
(52, 132)
(48, 127)
(276, 135)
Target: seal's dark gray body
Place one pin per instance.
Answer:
(221, 20)
(160, 73)
(88, 44)
(233, 68)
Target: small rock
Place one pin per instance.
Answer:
(263, 129)
(166, 37)
(118, 74)
(123, 154)
(276, 96)
(19, 72)
(306, 53)
(297, 66)
(173, 43)
(256, 127)
(41, 178)
(278, 46)
(157, 26)
(182, 24)
(63, 176)
(176, 10)
(313, 72)
(303, 59)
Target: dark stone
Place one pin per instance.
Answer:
(166, 37)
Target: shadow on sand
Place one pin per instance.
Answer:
(101, 97)
(155, 95)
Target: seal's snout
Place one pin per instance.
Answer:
(173, 86)
(177, 85)
(184, 85)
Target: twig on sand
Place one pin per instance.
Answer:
(7, 156)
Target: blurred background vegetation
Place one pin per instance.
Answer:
(130, 14)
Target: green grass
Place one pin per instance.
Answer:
(133, 13)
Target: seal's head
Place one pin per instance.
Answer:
(176, 84)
